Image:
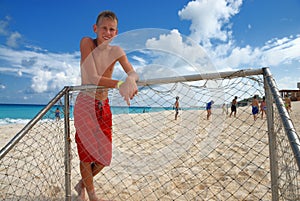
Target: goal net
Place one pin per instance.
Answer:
(156, 157)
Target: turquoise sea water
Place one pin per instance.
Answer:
(18, 113)
(23, 113)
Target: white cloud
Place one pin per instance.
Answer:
(275, 53)
(140, 60)
(40, 80)
(283, 51)
(12, 40)
(48, 71)
(12, 37)
(285, 82)
(36, 48)
(181, 53)
(4, 26)
(209, 19)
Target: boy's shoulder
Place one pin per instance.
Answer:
(116, 51)
(116, 48)
(86, 41)
(86, 38)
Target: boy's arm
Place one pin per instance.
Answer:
(86, 47)
(129, 88)
(128, 68)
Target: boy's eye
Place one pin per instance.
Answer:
(108, 29)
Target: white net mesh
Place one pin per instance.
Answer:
(156, 157)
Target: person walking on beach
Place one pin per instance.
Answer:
(263, 107)
(208, 109)
(57, 114)
(92, 114)
(176, 106)
(255, 106)
(233, 106)
(287, 104)
(224, 109)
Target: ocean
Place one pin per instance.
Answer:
(23, 113)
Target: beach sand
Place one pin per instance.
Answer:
(7, 132)
(295, 115)
(165, 162)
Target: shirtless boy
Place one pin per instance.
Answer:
(255, 106)
(176, 106)
(92, 115)
(233, 107)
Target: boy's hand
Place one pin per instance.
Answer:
(128, 89)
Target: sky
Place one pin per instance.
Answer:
(39, 39)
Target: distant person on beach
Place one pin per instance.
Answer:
(92, 113)
(233, 106)
(208, 109)
(263, 107)
(176, 106)
(287, 104)
(57, 114)
(255, 106)
(224, 109)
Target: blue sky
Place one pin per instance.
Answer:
(39, 39)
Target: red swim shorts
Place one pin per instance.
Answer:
(93, 123)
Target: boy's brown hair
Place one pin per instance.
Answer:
(107, 14)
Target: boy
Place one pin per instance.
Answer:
(287, 104)
(176, 105)
(263, 107)
(233, 106)
(92, 115)
(57, 114)
(208, 109)
(255, 106)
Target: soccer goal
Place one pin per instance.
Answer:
(155, 157)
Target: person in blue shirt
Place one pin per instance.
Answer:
(255, 107)
(208, 108)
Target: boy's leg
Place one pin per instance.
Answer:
(96, 168)
(80, 190)
(87, 175)
(88, 171)
(208, 114)
(80, 187)
(87, 178)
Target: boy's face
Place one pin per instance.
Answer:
(106, 29)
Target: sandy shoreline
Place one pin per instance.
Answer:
(195, 141)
